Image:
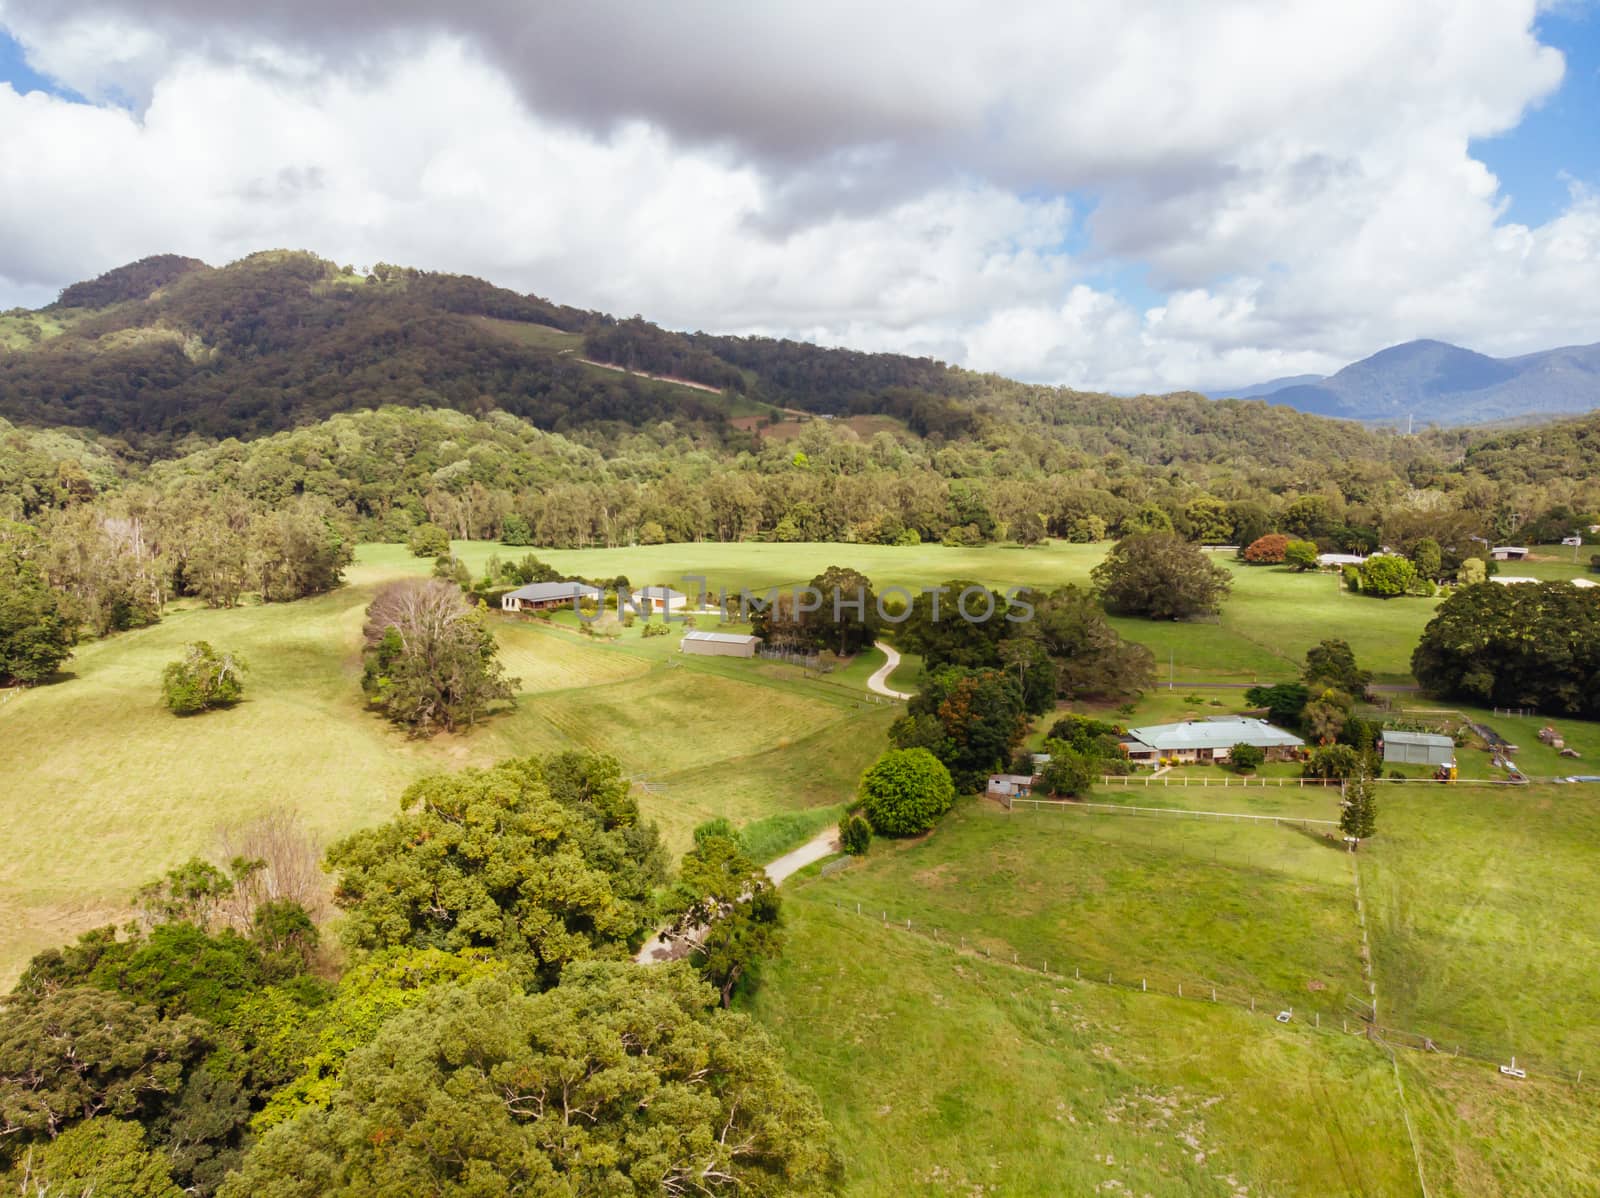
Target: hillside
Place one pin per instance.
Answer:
(1434, 382)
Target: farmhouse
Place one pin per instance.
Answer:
(658, 599)
(1010, 786)
(1417, 748)
(546, 596)
(1508, 553)
(1207, 740)
(1339, 559)
(718, 644)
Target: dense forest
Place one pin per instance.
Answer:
(173, 429)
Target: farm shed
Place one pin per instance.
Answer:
(718, 644)
(545, 596)
(1509, 553)
(1417, 748)
(1207, 740)
(658, 599)
(1010, 786)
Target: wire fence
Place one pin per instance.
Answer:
(1179, 780)
(1011, 802)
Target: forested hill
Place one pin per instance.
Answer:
(167, 350)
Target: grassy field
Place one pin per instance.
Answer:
(946, 1074)
(105, 789)
(1481, 907)
(1249, 908)
(1271, 619)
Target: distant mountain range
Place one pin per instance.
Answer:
(1432, 382)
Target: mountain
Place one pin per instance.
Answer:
(1433, 382)
(1258, 390)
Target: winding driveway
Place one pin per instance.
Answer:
(879, 682)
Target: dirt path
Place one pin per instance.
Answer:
(824, 844)
(879, 682)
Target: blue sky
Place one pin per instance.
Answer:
(1559, 141)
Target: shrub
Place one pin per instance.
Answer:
(1302, 555)
(855, 835)
(428, 540)
(1246, 758)
(201, 680)
(1333, 762)
(905, 791)
(1268, 550)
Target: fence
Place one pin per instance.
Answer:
(1180, 812)
(1354, 1016)
(1181, 780)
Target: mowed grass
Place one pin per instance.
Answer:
(104, 789)
(1267, 624)
(946, 1074)
(1481, 908)
(1251, 909)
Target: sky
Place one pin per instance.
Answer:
(1128, 196)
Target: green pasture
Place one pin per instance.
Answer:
(1481, 909)
(1262, 909)
(947, 1074)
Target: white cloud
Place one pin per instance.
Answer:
(1295, 178)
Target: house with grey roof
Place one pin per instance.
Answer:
(547, 596)
(1207, 740)
(657, 599)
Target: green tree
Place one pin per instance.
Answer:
(36, 636)
(855, 835)
(905, 791)
(1334, 762)
(1387, 576)
(1069, 773)
(1471, 572)
(1246, 758)
(727, 905)
(972, 720)
(1425, 556)
(938, 631)
(620, 1081)
(98, 1156)
(1302, 555)
(1284, 701)
(1091, 659)
(1161, 576)
(1358, 808)
(514, 530)
(202, 680)
(1332, 663)
(428, 540)
(431, 661)
(498, 858)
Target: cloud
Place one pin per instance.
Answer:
(1293, 180)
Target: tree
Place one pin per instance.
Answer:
(1091, 659)
(502, 859)
(1284, 701)
(1471, 572)
(620, 1081)
(428, 540)
(431, 661)
(960, 623)
(202, 680)
(1358, 810)
(1302, 555)
(514, 530)
(298, 550)
(1269, 550)
(1332, 663)
(1426, 558)
(1246, 758)
(82, 1052)
(728, 905)
(855, 835)
(905, 791)
(35, 634)
(1161, 576)
(1387, 576)
(1333, 762)
(1069, 773)
(972, 720)
(98, 1156)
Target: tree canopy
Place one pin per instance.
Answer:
(1162, 576)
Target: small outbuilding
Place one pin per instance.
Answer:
(718, 644)
(1416, 748)
(1327, 560)
(1006, 787)
(547, 596)
(1509, 553)
(658, 599)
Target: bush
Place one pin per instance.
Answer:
(201, 680)
(428, 540)
(855, 835)
(1302, 555)
(1246, 758)
(654, 628)
(905, 791)
(1334, 762)
(1268, 550)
